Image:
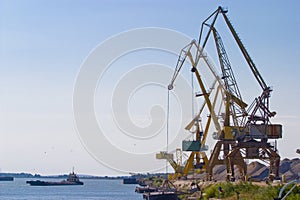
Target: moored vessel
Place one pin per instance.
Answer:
(6, 178)
(72, 179)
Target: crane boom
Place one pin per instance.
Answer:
(250, 62)
(181, 59)
(261, 106)
(186, 52)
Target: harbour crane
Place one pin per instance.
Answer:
(198, 159)
(245, 130)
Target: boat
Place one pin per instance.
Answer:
(168, 191)
(145, 189)
(71, 180)
(6, 178)
(160, 195)
(130, 181)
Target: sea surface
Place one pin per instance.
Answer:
(92, 189)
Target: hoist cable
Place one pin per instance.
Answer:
(167, 127)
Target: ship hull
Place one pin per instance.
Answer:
(49, 183)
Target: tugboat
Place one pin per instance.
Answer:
(71, 180)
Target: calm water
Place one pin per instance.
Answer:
(92, 189)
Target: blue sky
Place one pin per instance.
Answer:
(43, 44)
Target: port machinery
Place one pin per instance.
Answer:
(242, 132)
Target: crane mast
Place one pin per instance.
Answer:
(234, 98)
